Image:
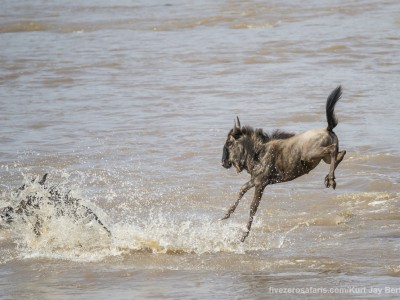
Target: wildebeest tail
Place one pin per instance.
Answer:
(330, 107)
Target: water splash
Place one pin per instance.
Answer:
(136, 225)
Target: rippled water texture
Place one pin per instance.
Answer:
(127, 106)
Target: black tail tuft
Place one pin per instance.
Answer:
(330, 107)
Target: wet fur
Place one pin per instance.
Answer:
(281, 156)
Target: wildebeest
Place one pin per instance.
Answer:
(62, 203)
(280, 156)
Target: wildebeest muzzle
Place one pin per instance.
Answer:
(225, 158)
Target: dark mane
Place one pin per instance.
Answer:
(265, 137)
(278, 134)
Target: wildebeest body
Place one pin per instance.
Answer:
(281, 157)
(62, 203)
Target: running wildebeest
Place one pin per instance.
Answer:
(63, 204)
(280, 156)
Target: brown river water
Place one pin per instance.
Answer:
(128, 104)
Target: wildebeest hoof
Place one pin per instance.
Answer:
(330, 182)
(225, 217)
(244, 236)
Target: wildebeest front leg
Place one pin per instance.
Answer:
(253, 209)
(248, 185)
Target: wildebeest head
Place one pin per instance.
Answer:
(233, 151)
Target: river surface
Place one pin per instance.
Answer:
(128, 104)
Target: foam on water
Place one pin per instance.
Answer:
(163, 234)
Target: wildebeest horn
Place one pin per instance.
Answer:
(236, 123)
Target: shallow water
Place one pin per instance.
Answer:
(128, 106)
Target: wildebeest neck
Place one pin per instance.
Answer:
(254, 148)
(256, 143)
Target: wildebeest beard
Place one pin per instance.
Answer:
(62, 202)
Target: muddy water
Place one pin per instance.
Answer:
(128, 105)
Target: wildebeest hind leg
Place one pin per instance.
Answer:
(330, 178)
(339, 157)
(248, 185)
(335, 159)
